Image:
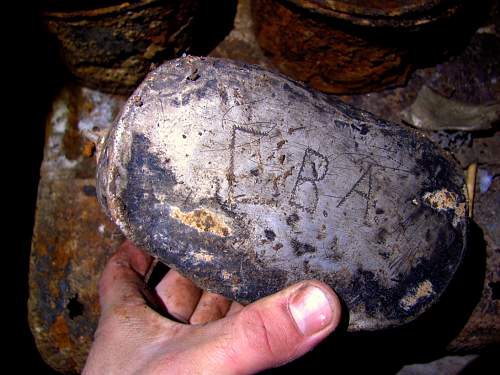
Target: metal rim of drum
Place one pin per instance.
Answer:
(410, 14)
(342, 48)
(117, 68)
(99, 12)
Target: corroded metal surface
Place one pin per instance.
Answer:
(112, 48)
(247, 183)
(362, 53)
(328, 58)
(72, 238)
(394, 13)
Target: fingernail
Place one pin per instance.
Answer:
(310, 309)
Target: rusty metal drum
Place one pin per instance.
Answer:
(347, 47)
(111, 45)
(247, 182)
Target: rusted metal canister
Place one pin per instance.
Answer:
(345, 47)
(110, 46)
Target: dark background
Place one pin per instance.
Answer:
(31, 76)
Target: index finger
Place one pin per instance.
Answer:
(122, 281)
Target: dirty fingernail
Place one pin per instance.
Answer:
(310, 309)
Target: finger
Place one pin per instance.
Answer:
(210, 307)
(179, 295)
(276, 329)
(234, 308)
(136, 258)
(122, 282)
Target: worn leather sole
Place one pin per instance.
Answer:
(247, 182)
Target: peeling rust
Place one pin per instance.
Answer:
(350, 47)
(72, 238)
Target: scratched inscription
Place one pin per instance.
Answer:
(260, 162)
(273, 166)
(253, 176)
(313, 169)
(247, 145)
(363, 188)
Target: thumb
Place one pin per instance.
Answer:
(279, 328)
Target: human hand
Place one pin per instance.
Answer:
(220, 337)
